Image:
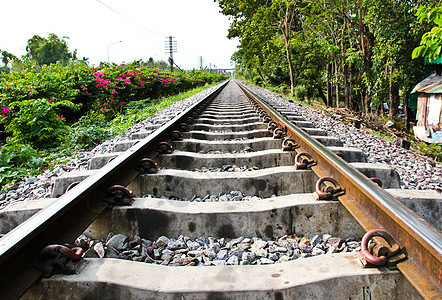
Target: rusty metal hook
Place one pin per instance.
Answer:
(147, 166)
(119, 195)
(278, 133)
(71, 186)
(164, 148)
(328, 192)
(377, 181)
(341, 155)
(183, 127)
(272, 126)
(289, 144)
(176, 135)
(381, 259)
(304, 161)
(266, 119)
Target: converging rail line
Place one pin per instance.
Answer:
(236, 197)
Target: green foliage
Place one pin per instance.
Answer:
(51, 111)
(88, 132)
(431, 42)
(431, 150)
(18, 161)
(300, 92)
(37, 123)
(46, 51)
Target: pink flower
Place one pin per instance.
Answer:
(50, 101)
(156, 71)
(113, 92)
(141, 82)
(4, 110)
(127, 81)
(164, 80)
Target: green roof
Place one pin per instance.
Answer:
(437, 61)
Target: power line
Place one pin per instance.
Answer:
(129, 19)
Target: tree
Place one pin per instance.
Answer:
(431, 42)
(46, 51)
(6, 57)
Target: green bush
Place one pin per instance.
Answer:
(300, 92)
(431, 150)
(18, 161)
(37, 122)
(88, 132)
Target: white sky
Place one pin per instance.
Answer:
(197, 26)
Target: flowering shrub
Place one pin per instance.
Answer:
(4, 110)
(40, 109)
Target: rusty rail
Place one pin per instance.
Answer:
(73, 212)
(374, 208)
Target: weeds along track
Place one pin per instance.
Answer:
(234, 198)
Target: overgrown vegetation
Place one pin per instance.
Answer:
(48, 112)
(356, 54)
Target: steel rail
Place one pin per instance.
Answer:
(374, 208)
(73, 212)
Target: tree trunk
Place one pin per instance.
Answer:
(367, 101)
(350, 89)
(407, 111)
(329, 87)
(337, 82)
(344, 64)
(394, 98)
(321, 94)
(287, 50)
(258, 70)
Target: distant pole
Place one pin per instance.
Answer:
(108, 50)
(200, 62)
(171, 47)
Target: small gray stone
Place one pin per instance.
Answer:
(305, 248)
(248, 256)
(218, 262)
(266, 261)
(283, 258)
(162, 241)
(193, 245)
(317, 251)
(117, 241)
(209, 253)
(99, 249)
(233, 260)
(261, 252)
(273, 256)
(175, 245)
(31, 180)
(222, 255)
(194, 253)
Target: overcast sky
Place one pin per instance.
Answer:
(142, 26)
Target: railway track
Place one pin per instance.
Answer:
(238, 185)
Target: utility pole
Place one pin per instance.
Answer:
(171, 47)
(200, 62)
